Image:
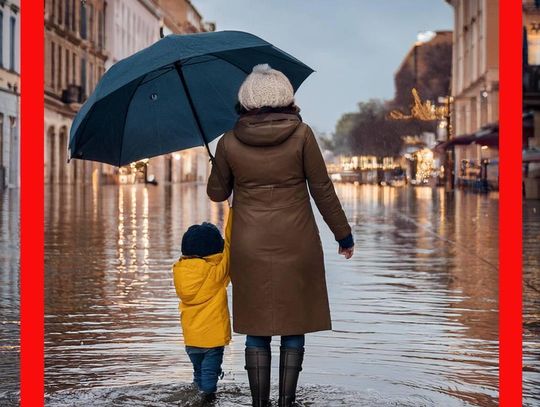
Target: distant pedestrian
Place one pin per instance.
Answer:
(270, 159)
(201, 277)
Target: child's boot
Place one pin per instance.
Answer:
(290, 366)
(258, 369)
(208, 398)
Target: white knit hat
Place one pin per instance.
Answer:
(265, 86)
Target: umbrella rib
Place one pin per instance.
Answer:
(168, 69)
(187, 63)
(125, 118)
(74, 140)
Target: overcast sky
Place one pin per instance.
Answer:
(355, 46)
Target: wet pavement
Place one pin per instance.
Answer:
(531, 301)
(414, 311)
(9, 295)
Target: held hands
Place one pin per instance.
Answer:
(346, 252)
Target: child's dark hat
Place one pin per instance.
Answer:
(202, 240)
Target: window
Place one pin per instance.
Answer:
(12, 23)
(91, 78)
(59, 84)
(59, 14)
(67, 13)
(1, 140)
(74, 69)
(67, 67)
(91, 30)
(12, 157)
(82, 28)
(73, 15)
(1, 39)
(101, 28)
(53, 10)
(53, 70)
(83, 75)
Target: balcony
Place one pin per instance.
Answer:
(531, 6)
(531, 86)
(73, 94)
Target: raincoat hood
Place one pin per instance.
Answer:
(266, 129)
(194, 272)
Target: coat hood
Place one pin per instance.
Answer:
(266, 129)
(192, 274)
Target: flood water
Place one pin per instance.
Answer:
(531, 301)
(9, 296)
(414, 311)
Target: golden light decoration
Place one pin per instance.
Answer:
(425, 164)
(420, 110)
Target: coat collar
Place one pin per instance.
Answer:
(266, 129)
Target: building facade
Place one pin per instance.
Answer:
(130, 25)
(9, 93)
(181, 17)
(82, 40)
(531, 98)
(475, 83)
(74, 61)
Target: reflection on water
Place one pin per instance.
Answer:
(531, 299)
(9, 296)
(414, 312)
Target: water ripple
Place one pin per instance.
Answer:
(414, 311)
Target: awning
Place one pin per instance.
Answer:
(486, 136)
(531, 155)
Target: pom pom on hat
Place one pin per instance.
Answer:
(265, 87)
(262, 68)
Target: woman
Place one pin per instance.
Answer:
(277, 266)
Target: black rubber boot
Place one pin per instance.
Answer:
(207, 399)
(290, 366)
(258, 368)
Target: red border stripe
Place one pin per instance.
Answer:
(32, 130)
(510, 204)
(31, 223)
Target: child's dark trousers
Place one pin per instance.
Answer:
(206, 366)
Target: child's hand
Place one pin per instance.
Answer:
(346, 252)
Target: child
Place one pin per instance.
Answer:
(201, 277)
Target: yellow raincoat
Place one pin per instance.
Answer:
(201, 286)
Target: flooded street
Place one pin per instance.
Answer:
(414, 311)
(9, 295)
(531, 300)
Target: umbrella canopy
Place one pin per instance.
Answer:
(178, 93)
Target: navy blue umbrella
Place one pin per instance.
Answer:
(178, 93)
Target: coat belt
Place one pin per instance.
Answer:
(270, 196)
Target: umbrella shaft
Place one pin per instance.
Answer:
(178, 67)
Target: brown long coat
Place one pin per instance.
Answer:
(277, 265)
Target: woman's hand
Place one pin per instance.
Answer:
(346, 252)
